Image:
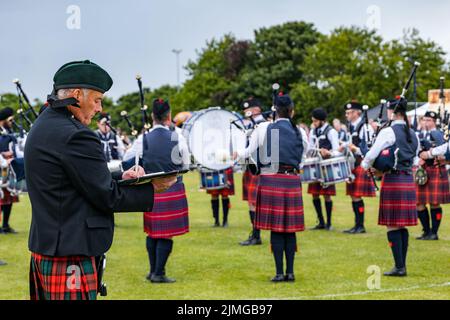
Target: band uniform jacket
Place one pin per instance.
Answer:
(73, 195)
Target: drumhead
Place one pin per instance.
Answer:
(212, 138)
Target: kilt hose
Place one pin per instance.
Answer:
(63, 278)
(362, 186)
(437, 190)
(229, 190)
(249, 186)
(398, 206)
(279, 203)
(316, 189)
(170, 215)
(8, 198)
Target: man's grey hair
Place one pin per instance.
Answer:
(66, 93)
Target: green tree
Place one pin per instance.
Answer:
(355, 63)
(212, 75)
(275, 55)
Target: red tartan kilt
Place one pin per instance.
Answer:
(317, 189)
(63, 278)
(362, 186)
(229, 190)
(437, 190)
(8, 198)
(249, 186)
(398, 201)
(170, 214)
(279, 204)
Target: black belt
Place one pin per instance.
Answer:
(399, 172)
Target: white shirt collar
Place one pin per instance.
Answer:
(156, 126)
(282, 119)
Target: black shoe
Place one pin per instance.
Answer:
(161, 279)
(329, 228)
(149, 276)
(319, 227)
(289, 277)
(278, 278)
(225, 224)
(251, 241)
(359, 230)
(423, 237)
(9, 230)
(216, 224)
(3, 263)
(351, 231)
(396, 272)
(432, 237)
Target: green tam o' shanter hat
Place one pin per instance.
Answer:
(82, 74)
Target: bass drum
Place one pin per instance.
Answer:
(212, 136)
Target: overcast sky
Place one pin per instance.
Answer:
(137, 37)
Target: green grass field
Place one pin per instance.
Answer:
(208, 263)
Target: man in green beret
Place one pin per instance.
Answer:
(73, 195)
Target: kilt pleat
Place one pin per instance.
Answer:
(437, 190)
(170, 214)
(229, 190)
(279, 204)
(362, 186)
(63, 278)
(249, 187)
(317, 189)
(398, 201)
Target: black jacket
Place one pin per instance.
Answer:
(73, 195)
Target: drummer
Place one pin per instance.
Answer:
(225, 193)
(362, 185)
(325, 139)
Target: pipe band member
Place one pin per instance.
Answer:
(326, 139)
(362, 186)
(73, 194)
(252, 108)
(279, 202)
(164, 151)
(398, 201)
(113, 146)
(436, 191)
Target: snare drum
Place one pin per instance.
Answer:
(310, 172)
(212, 180)
(335, 171)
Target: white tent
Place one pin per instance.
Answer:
(420, 111)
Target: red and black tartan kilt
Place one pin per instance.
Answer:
(8, 198)
(316, 189)
(63, 278)
(437, 190)
(398, 207)
(170, 215)
(229, 190)
(279, 203)
(362, 186)
(249, 185)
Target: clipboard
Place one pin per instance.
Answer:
(149, 177)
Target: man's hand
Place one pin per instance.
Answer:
(353, 148)
(376, 173)
(341, 149)
(235, 155)
(325, 153)
(8, 154)
(424, 155)
(162, 184)
(132, 174)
